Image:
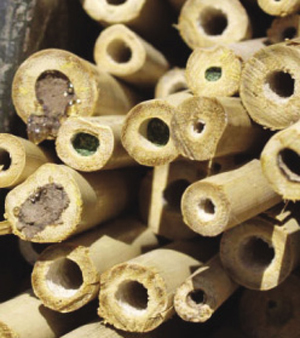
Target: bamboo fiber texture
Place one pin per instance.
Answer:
(172, 82)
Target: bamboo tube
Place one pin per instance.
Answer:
(146, 131)
(137, 296)
(220, 202)
(203, 128)
(57, 202)
(283, 28)
(204, 292)
(216, 71)
(280, 160)
(269, 85)
(53, 84)
(31, 251)
(274, 313)
(124, 54)
(92, 143)
(279, 8)
(67, 275)
(19, 158)
(203, 23)
(173, 81)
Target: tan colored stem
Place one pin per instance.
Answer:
(85, 201)
(92, 143)
(204, 23)
(270, 85)
(146, 130)
(204, 292)
(279, 8)
(284, 28)
(5, 228)
(203, 128)
(124, 54)
(220, 202)
(172, 82)
(31, 251)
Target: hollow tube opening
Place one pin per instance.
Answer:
(173, 193)
(213, 74)
(5, 159)
(116, 2)
(213, 21)
(119, 51)
(196, 297)
(289, 164)
(85, 144)
(281, 83)
(206, 209)
(155, 131)
(289, 33)
(198, 127)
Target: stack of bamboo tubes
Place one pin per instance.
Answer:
(156, 190)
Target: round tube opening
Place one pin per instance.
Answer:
(119, 51)
(213, 21)
(173, 193)
(213, 74)
(206, 209)
(85, 144)
(198, 127)
(281, 83)
(289, 164)
(196, 297)
(116, 2)
(5, 159)
(155, 131)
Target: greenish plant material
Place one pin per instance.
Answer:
(85, 144)
(158, 132)
(213, 74)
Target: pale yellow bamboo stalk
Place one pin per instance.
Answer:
(204, 23)
(173, 81)
(217, 203)
(124, 54)
(92, 143)
(216, 71)
(5, 228)
(270, 85)
(53, 84)
(204, 292)
(57, 202)
(67, 276)
(284, 28)
(30, 251)
(279, 8)
(203, 128)
(146, 130)
(137, 296)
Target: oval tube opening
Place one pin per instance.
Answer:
(119, 51)
(289, 164)
(85, 144)
(156, 131)
(5, 159)
(213, 21)
(213, 74)
(281, 83)
(206, 209)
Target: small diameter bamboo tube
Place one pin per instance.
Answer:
(92, 143)
(124, 54)
(19, 158)
(31, 251)
(205, 23)
(280, 162)
(67, 275)
(220, 202)
(204, 292)
(284, 28)
(274, 313)
(217, 71)
(146, 131)
(279, 8)
(137, 296)
(173, 81)
(53, 84)
(203, 128)
(57, 202)
(270, 87)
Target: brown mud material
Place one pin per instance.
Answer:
(43, 207)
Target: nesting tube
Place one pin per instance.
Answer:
(53, 84)
(124, 54)
(57, 202)
(146, 131)
(205, 23)
(203, 128)
(31, 251)
(270, 87)
(216, 71)
(279, 8)
(92, 143)
(204, 292)
(283, 28)
(172, 82)
(217, 203)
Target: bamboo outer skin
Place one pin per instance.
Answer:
(170, 83)
(279, 8)
(284, 28)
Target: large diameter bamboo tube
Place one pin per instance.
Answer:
(92, 143)
(146, 130)
(284, 28)
(279, 8)
(217, 203)
(270, 85)
(57, 202)
(53, 84)
(204, 23)
(67, 276)
(124, 54)
(204, 292)
(137, 296)
(217, 71)
(203, 128)
(280, 162)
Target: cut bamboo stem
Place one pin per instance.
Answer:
(92, 143)
(67, 275)
(31, 251)
(53, 84)
(270, 85)
(124, 54)
(284, 28)
(279, 8)
(172, 82)
(203, 128)
(220, 202)
(217, 71)
(204, 292)
(57, 202)
(205, 23)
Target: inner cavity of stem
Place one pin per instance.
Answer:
(85, 144)
(198, 127)
(116, 2)
(213, 21)
(119, 51)
(196, 297)
(5, 159)
(213, 74)
(155, 131)
(289, 33)
(280, 83)
(206, 209)
(289, 164)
